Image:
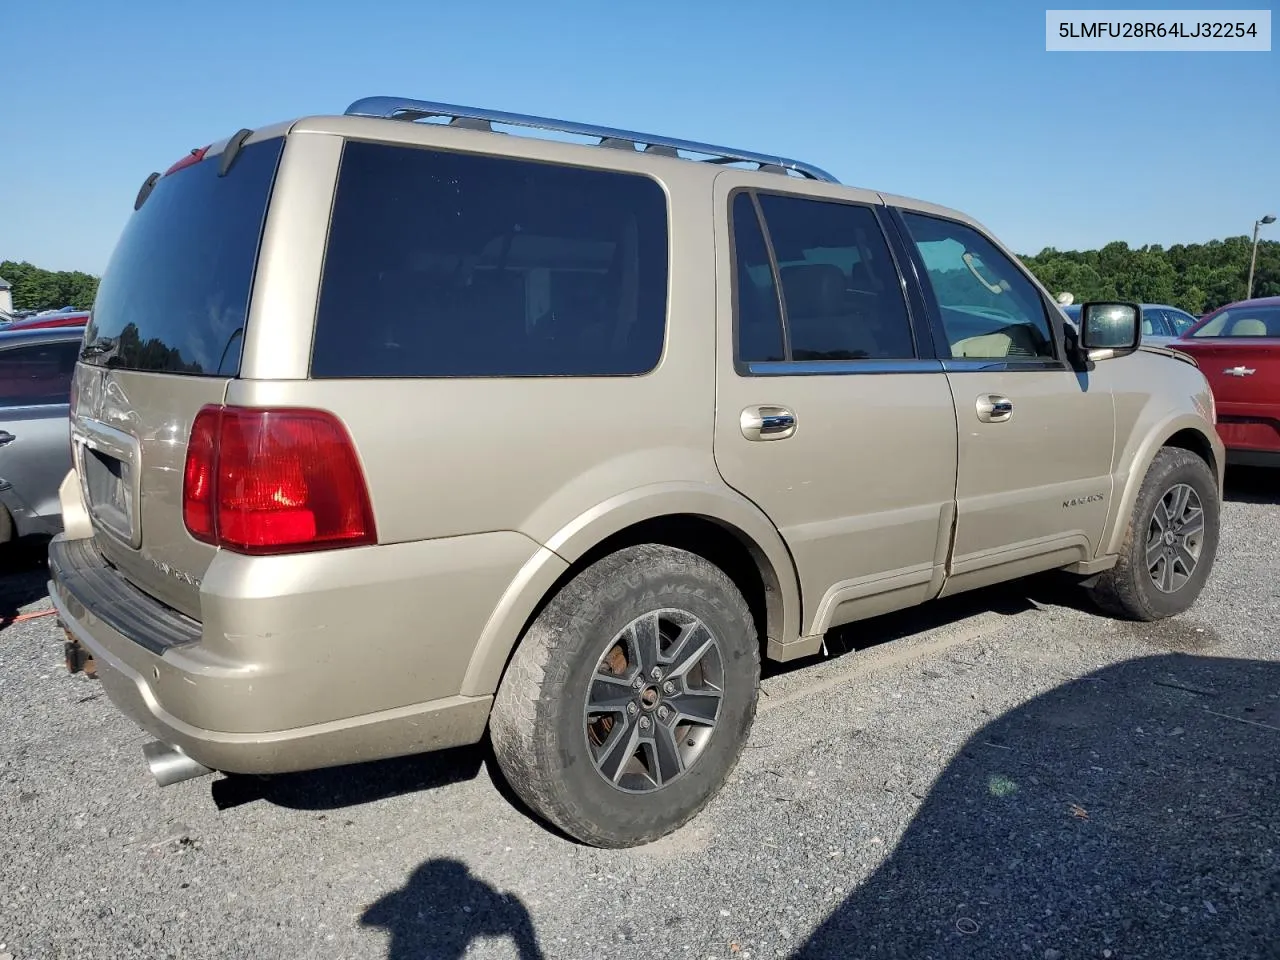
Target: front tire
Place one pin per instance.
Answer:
(1171, 544)
(628, 701)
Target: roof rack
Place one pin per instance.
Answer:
(474, 118)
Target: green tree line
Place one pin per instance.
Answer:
(1197, 277)
(37, 289)
(1194, 276)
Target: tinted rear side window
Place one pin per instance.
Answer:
(176, 290)
(37, 374)
(458, 265)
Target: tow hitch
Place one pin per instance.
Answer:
(78, 659)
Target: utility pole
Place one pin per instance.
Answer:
(1253, 257)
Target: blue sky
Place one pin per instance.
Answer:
(953, 102)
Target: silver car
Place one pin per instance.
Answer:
(35, 454)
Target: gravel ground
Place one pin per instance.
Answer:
(1000, 775)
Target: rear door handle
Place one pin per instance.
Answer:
(6, 437)
(767, 423)
(993, 408)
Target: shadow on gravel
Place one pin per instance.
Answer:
(443, 908)
(1134, 812)
(24, 572)
(354, 785)
(1252, 485)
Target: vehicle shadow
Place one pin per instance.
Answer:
(1134, 812)
(24, 575)
(1252, 485)
(443, 908)
(335, 788)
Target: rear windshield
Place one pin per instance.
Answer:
(176, 290)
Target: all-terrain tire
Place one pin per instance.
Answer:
(539, 722)
(1128, 589)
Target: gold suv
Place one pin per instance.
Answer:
(397, 428)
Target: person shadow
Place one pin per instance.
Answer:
(443, 908)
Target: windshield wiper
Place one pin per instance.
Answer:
(98, 348)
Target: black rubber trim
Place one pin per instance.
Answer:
(145, 190)
(81, 571)
(232, 149)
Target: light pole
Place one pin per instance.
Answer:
(1253, 257)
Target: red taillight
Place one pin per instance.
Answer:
(197, 476)
(274, 481)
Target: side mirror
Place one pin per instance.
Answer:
(1110, 330)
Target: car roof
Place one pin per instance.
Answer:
(59, 319)
(9, 337)
(540, 139)
(1255, 302)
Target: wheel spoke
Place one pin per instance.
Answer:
(1161, 516)
(1155, 552)
(647, 641)
(609, 694)
(689, 649)
(1166, 576)
(1187, 559)
(616, 751)
(1193, 526)
(697, 706)
(667, 760)
(1181, 496)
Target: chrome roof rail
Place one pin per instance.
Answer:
(399, 108)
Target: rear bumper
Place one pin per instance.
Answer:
(1253, 458)
(157, 668)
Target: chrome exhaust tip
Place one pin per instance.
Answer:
(169, 765)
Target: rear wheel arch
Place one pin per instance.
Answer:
(727, 531)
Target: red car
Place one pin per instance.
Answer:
(1238, 349)
(77, 318)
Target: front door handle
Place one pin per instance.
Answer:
(993, 408)
(768, 423)
(6, 437)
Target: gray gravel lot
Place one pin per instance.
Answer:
(1000, 775)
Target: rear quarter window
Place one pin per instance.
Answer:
(460, 265)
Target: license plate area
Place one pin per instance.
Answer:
(108, 482)
(107, 461)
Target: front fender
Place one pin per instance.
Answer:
(1136, 460)
(572, 541)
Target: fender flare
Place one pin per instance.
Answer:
(1154, 441)
(571, 542)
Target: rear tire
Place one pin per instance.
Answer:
(1170, 546)
(628, 701)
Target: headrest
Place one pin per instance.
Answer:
(1252, 327)
(814, 289)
